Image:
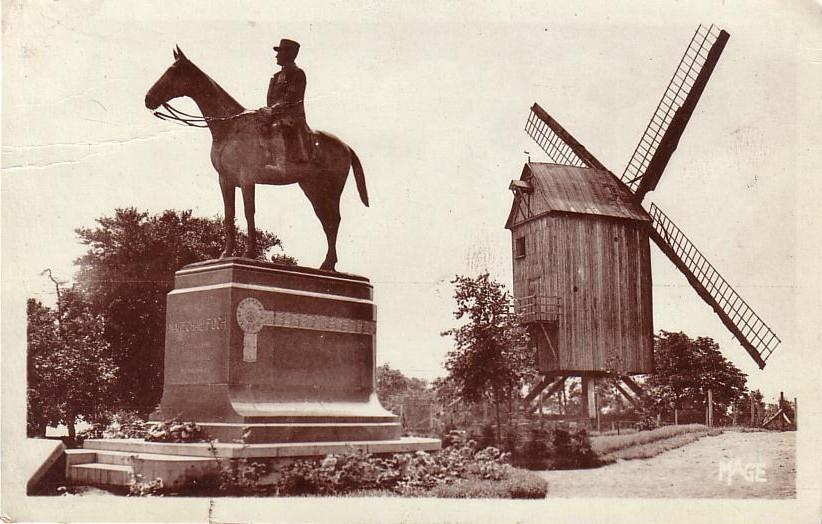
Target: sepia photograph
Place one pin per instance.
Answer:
(411, 262)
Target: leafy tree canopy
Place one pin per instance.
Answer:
(71, 371)
(492, 358)
(687, 368)
(393, 387)
(127, 272)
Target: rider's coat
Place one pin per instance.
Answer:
(286, 91)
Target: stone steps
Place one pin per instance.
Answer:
(119, 468)
(99, 474)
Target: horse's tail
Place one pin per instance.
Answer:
(359, 177)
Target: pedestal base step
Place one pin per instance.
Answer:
(115, 462)
(276, 450)
(97, 474)
(256, 433)
(119, 468)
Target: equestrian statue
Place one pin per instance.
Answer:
(271, 145)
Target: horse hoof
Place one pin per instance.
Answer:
(328, 267)
(225, 253)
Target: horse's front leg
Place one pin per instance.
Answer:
(248, 205)
(228, 223)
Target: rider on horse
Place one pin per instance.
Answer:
(285, 103)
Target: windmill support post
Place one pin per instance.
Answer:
(589, 403)
(536, 390)
(551, 389)
(633, 386)
(634, 402)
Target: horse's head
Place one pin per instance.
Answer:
(177, 81)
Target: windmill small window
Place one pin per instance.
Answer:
(519, 247)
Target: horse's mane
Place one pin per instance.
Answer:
(236, 107)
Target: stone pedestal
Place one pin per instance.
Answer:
(265, 353)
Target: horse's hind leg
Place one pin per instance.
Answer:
(248, 207)
(326, 203)
(331, 225)
(227, 189)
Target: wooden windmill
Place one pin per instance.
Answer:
(582, 272)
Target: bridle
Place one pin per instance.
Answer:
(175, 115)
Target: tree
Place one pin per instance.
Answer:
(393, 386)
(41, 334)
(70, 369)
(492, 359)
(686, 369)
(126, 274)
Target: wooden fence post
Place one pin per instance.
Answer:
(752, 410)
(710, 408)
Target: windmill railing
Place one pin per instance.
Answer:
(683, 79)
(538, 308)
(756, 337)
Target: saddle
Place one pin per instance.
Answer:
(300, 141)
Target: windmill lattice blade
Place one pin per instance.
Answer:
(684, 90)
(558, 144)
(751, 331)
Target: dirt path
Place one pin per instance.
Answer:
(693, 471)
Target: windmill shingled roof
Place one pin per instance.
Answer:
(580, 190)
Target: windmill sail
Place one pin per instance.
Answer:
(662, 134)
(558, 144)
(751, 331)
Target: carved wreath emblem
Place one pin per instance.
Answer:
(250, 315)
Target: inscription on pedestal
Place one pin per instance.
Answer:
(252, 317)
(201, 324)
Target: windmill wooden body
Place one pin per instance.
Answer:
(580, 245)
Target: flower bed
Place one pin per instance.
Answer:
(461, 471)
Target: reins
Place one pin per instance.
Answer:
(175, 115)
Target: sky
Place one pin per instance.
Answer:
(433, 99)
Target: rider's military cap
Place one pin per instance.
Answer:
(287, 45)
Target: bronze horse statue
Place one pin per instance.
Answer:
(245, 152)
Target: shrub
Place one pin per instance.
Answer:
(572, 450)
(141, 488)
(403, 473)
(537, 452)
(123, 424)
(453, 437)
(512, 440)
(487, 436)
(241, 477)
(175, 430)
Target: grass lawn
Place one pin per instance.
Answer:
(646, 444)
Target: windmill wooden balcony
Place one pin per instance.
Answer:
(538, 309)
